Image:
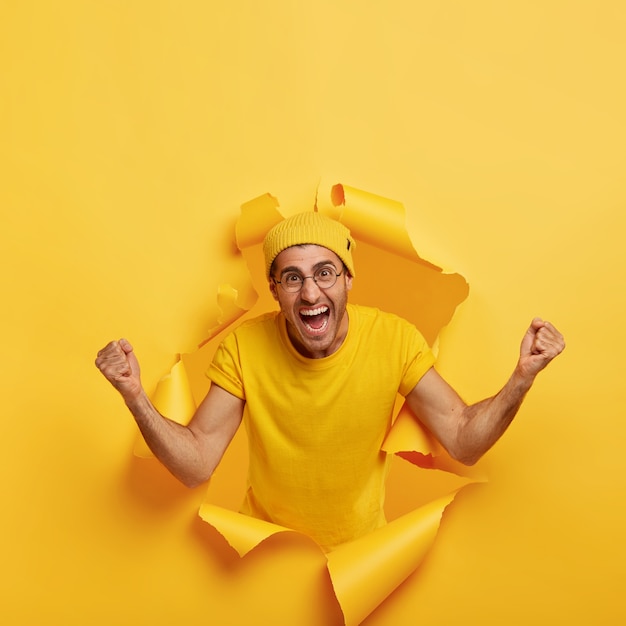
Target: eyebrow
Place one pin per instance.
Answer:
(293, 268)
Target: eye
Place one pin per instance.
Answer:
(292, 277)
(325, 273)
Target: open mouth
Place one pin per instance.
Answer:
(315, 320)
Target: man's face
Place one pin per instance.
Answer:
(317, 322)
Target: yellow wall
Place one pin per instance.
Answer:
(131, 133)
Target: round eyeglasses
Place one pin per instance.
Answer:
(324, 277)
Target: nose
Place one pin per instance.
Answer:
(310, 291)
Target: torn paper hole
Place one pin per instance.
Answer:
(363, 572)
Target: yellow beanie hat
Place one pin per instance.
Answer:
(309, 227)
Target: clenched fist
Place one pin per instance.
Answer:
(120, 367)
(542, 342)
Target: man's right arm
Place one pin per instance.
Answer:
(191, 453)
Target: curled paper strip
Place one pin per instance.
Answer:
(363, 572)
(375, 220)
(242, 532)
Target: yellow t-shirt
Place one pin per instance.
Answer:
(315, 426)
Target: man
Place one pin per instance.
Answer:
(315, 384)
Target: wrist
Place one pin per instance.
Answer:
(523, 378)
(138, 403)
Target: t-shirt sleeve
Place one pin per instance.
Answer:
(225, 369)
(419, 359)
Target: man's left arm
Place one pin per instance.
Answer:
(468, 431)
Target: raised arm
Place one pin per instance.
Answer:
(191, 453)
(467, 432)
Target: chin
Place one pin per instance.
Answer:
(312, 345)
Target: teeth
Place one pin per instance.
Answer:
(311, 312)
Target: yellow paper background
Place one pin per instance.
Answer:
(132, 132)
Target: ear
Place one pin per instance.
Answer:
(273, 289)
(348, 281)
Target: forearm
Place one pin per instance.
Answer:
(175, 445)
(467, 432)
(190, 453)
(483, 423)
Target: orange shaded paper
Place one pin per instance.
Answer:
(364, 572)
(390, 273)
(413, 442)
(257, 217)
